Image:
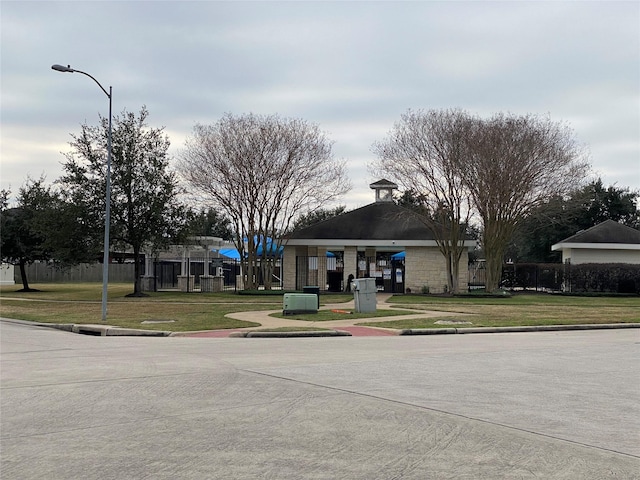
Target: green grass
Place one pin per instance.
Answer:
(81, 303)
(518, 309)
(522, 299)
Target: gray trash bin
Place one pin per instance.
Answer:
(314, 290)
(364, 295)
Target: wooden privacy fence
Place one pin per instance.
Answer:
(85, 272)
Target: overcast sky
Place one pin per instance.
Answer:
(351, 67)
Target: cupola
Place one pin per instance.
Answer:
(384, 190)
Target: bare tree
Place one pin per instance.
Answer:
(262, 172)
(512, 165)
(422, 153)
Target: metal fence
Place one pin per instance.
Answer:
(521, 276)
(166, 272)
(620, 278)
(552, 277)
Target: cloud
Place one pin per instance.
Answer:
(351, 67)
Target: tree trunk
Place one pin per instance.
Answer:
(454, 274)
(267, 272)
(137, 289)
(493, 270)
(496, 237)
(23, 274)
(449, 261)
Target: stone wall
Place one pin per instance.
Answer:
(289, 268)
(426, 267)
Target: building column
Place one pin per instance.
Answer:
(312, 254)
(322, 268)
(147, 282)
(289, 268)
(186, 283)
(350, 264)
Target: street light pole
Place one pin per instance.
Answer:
(107, 210)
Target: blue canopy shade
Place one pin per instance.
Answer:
(398, 256)
(233, 253)
(272, 249)
(230, 253)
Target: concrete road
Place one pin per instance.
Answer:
(521, 405)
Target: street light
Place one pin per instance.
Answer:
(107, 211)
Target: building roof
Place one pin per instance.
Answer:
(384, 183)
(608, 231)
(376, 221)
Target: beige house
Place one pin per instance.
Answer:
(380, 240)
(607, 242)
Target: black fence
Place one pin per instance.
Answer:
(166, 272)
(533, 276)
(547, 277)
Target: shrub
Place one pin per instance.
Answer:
(604, 278)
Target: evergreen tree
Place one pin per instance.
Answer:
(145, 212)
(22, 232)
(560, 217)
(209, 223)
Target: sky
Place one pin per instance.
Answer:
(353, 68)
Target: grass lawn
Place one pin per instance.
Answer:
(519, 309)
(81, 303)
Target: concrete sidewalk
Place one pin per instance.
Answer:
(267, 321)
(347, 326)
(350, 326)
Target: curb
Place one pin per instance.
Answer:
(92, 329)
(111, 331)
(533, 328)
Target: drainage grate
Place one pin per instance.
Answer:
(87, 331)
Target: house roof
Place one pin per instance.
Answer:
(376, 221)
(608, 231)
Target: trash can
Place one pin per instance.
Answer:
(314, 290)
(364, 294)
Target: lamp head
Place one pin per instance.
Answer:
(62, 68)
